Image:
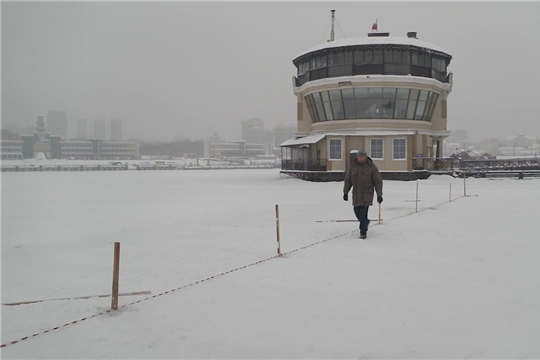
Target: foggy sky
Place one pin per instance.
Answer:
(179, 69)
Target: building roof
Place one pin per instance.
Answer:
(376, 40)
(311, 139)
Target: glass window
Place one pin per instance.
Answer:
(432, 107)
(420, 58)
(411, 109)
(358, 57)
(368, 56)
(389, 93)
(375, 108)
(327, 107)
(312, 63)
(348, 103)
(403, 93)
(399, 149)
(320, 111)
(340, 57)
(361, 93)
(362, 108)
(414, 57)
(312, 108)
(423, 95)
(420, 110)
(334, 149)
(375, 93)
(308, 101)
(323, 60)
(388, 55)
(331, 59)
(414, 94)
(405, 57)
(348, 57)
(318, 63)
(325, 97)
(401, 109)
(337, 104)
(328, 111)
(378, 56)
(397, 56)
(388, 108)
(428, 106)
(376, 149)
(316, 97)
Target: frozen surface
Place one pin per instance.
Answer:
(461, 280)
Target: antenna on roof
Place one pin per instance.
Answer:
(332, 28)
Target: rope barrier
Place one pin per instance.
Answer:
(207, 279)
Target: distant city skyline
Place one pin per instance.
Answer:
(226, 62)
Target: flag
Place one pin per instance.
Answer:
(374, 27)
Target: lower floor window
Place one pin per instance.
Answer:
(335, 149)
(400, 149)
(376, 148)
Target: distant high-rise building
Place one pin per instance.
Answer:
(57, 123)
(116, 129)
(82, 128)
(283, 133)
(40, 128)
(99, 128)
(249, 125)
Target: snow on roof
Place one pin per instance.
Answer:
(311, 139)
(376, 40)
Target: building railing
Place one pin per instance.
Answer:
(371, 69)
(450, 164)
(306, 165)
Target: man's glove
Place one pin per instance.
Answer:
(379, 199)
(346, 197)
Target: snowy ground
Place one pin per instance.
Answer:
(460, 280)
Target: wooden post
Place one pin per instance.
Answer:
(277, 231)
(379, 213)
(116, 275)
(450, 193)
(464, 185)
(416, 195)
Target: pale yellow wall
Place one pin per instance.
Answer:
(439, 123)
(388, 163)
(370, 124)
(303, 116)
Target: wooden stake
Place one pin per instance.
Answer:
(116, 275)
(450, 193)
(464, 185)
(416, 195)
(379, 213)
(277, 231)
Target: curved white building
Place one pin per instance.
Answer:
(385, 94)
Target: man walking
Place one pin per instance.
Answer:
(363, 177)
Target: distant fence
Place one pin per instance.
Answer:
(450, 164)
(30, 168)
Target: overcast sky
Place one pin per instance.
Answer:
(181, 69)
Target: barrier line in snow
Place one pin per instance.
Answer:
(208, 279)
